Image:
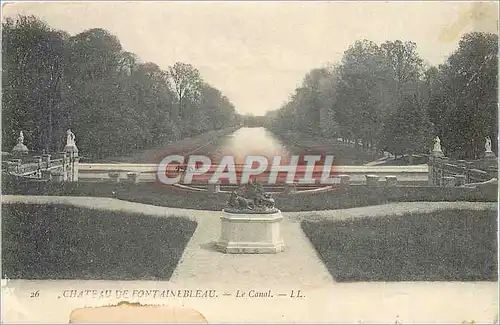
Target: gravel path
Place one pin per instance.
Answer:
(297, 264)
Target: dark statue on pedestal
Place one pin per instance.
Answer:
(253, 199)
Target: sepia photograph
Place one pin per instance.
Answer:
(250, 162)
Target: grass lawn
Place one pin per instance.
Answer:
(453, 245)
(64, 242)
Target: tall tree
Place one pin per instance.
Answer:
(186, 82)
(358, 100)
(114, 103)
(466, 96)
(408, 130)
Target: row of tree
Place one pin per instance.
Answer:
(383, 96)
(114, 103)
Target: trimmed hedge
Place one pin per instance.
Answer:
(65, 242)
(337, 198)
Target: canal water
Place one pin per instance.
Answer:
(248, 141)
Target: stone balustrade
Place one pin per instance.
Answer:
(463, 171)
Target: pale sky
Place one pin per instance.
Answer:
(257, 53)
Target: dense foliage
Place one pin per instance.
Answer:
(114, 103)
(383, 96)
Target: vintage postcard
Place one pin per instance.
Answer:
(250, 162)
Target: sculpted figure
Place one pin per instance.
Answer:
(239, 203)
(487, 145)
(70, 138)
(20, 139)
(261, 198)
(437, 144)
(252, 197)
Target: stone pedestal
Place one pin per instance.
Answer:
(489, 155)
(437, 153)
(71, 148)
(250, 233)
(12, 166)
(75, 169)
(20, 149)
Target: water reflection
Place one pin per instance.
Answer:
(249, 141)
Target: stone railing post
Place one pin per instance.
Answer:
(372, 180)
(391, 181)
(16, 165)
(19, 164)
(76, 168)
(8, 166)
(133, 177)
(460, 180)
(12, 167)
(58, 176)
(290, 188)
(430, 175)
(214, 188)
(71, 166)
(463, 166)
(46, 159)
(38, 161)
(492, 172)
(441, 172)
(65, 165)
(46, 174)
(448, 181)
(114, 176)
(345, 181)
(468, 167)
